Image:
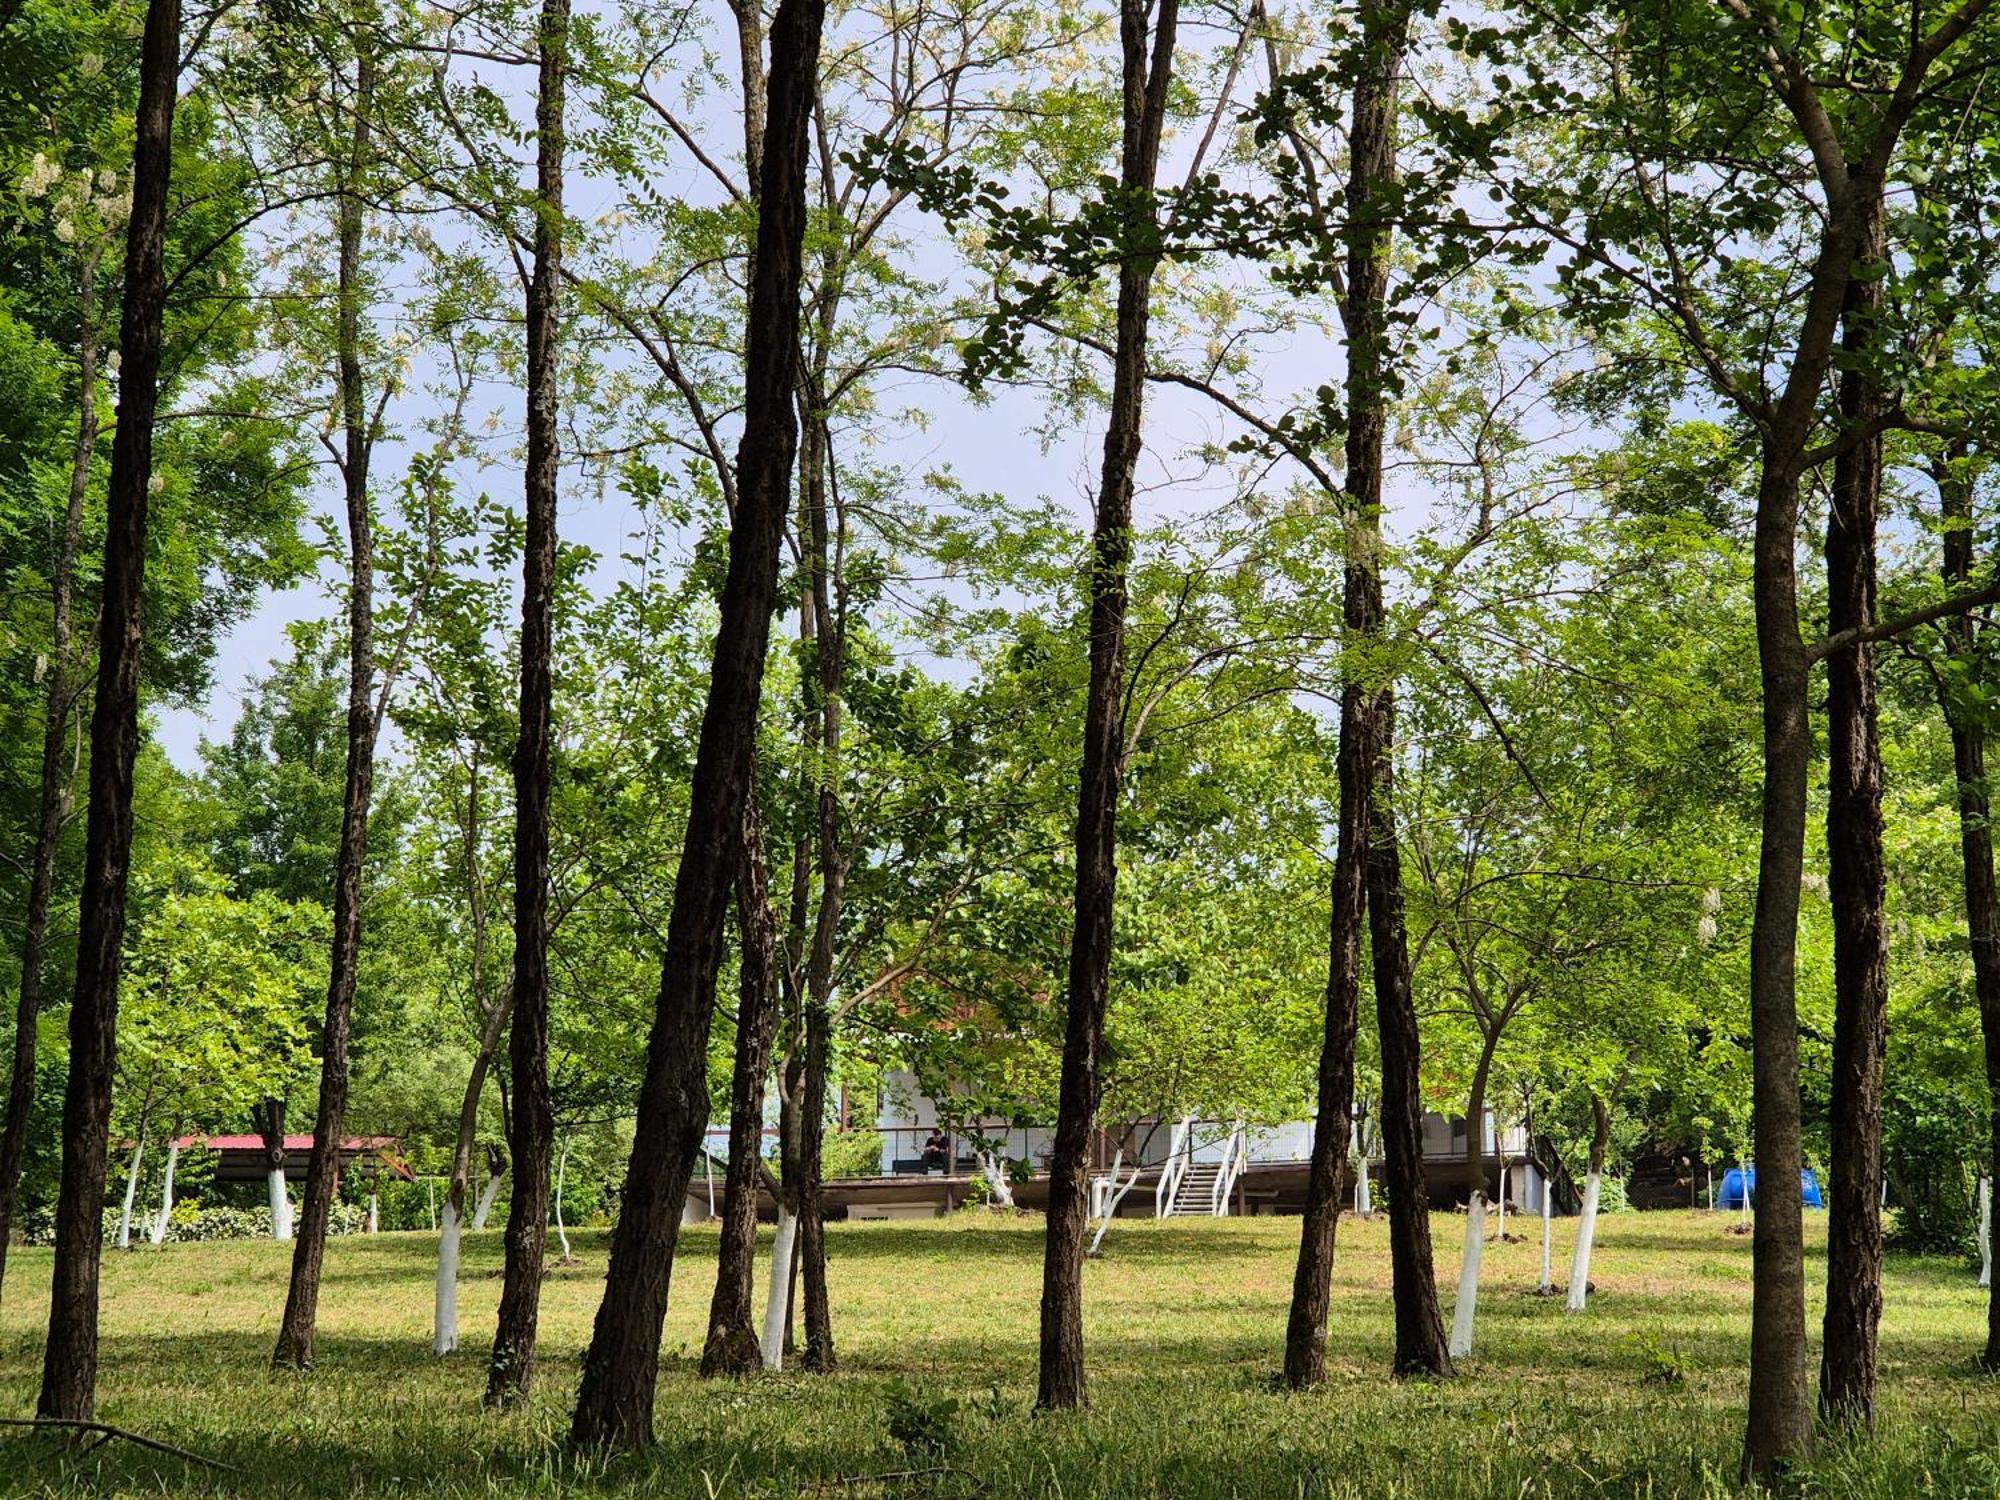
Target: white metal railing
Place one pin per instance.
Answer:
(1179, 1154)
(1234, 1158)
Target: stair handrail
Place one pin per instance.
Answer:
(1233, 1157)
(1173, 1168)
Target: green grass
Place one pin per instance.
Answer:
(1184, 1324)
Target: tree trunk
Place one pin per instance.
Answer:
(1780, 1420)
(295, 1332)
(1420, 1342)
(1975, 833)
(269, 1118)
(131, 1190)
(1146, 82)
(56, 798)
(1312, 1279)
(830, 635)
(614, 1406)
(732, 1344)
(69, 1367)
(444, 1316)
(1857, 884)
(1466, 1308)
(1593, 1187)
(496, 1173)
(512, 1371)
(1985, 1231)
(165, 1220)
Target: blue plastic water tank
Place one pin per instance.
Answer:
(1734, 1188)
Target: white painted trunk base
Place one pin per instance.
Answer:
(167, 1195)
(444, 1324)
(777, 1299)
(1986, 1231)
(1748, 1196)
(281, 1204)
(131, 1192)
(1363, 1202)
(1500, 1208)
(1000, 1190)
(1586, 1232)
(374, 1212)
(562, 1234)
(485, 1205)
(1548, 1238)
(1467, 1306)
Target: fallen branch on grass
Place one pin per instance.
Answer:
(106, 1432)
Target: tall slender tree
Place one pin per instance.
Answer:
(533, 1124)
(1856, 881)
(1953, 472)
(1146, 34)
(359, 429)
(614, 1407)
(69, 1367)
(55, 796)
(1367, 707)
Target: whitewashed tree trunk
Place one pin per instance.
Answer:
(1548, 1235)
(1001, 1193)
(1114, 1194)
(1986, 1231)
(374, 1212)
(1500, 1208)
(444, 1326)
(1744, 1170)
(431, 1203)
(1467, 1306)
(1586, 1231)
(131, 1192)
(281, 1204)
(1363, 1205)
(167, 1194)
(485, 1205)
(777, 1300)
(562, 1234)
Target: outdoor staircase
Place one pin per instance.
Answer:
(1195, 1192)
(1191, 1187)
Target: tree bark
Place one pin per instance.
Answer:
(56, 798)
(444, 1323)
(1975, 828)
(295, 1333)
(830, 637)
(731, 1347)
(1593, 1188)
(69, 1367)
(614, 1406)
(1146, 81)
(1420, 1341)
(268, 1115)
(1857, 884)
(1466, 1308)
(512, 1372)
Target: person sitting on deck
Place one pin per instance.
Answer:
(937, 1152)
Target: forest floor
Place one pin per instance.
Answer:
(1641, 1396)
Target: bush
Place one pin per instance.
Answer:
(192, 1223)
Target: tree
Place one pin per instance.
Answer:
(69, 1370)
(1147, 35)
(513, 1364)
(354, 175)
(614, 1407)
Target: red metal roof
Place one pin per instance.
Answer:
(293, 1143)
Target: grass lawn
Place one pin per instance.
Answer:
(1641, 1396)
